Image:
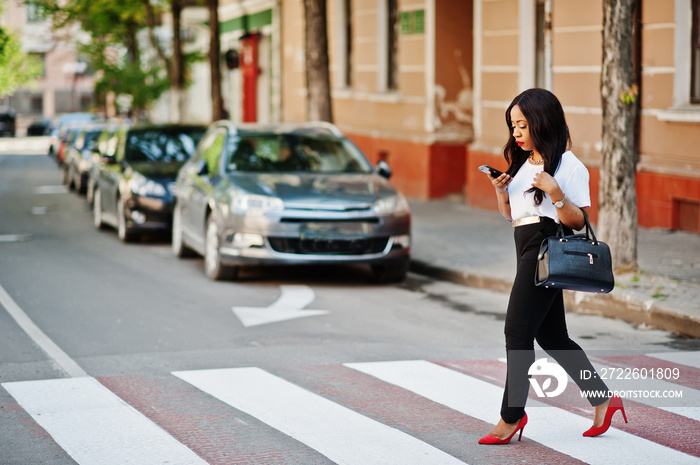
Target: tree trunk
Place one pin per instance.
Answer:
(133, 57)
(174, 66)
(217, 100)
(318, 84)
(177, 68)
(617, 221)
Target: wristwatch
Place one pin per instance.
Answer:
(560, 203)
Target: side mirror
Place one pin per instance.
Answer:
(383, 170)
(109, 159)
(202, 168)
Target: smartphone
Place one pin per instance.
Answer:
(487, 169)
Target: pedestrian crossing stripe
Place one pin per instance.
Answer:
(690, 396)
(39, 146)
(94, 425)
(690, 359)
(342, 435)
(481, 400)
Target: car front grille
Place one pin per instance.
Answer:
(328, 246)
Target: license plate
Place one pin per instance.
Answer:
(354, 230)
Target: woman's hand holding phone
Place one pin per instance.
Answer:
(499, 179)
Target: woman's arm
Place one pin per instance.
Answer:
(570, 215)
(501, 185)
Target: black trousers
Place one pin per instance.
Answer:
(537, 313)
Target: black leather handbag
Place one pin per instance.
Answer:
(577, 262)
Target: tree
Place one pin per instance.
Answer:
(318, 84)
(17, 69)
(217, 100)
(174, 64)
(617, 219)
(114, 50)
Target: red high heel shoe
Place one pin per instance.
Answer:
(614, 406)
(488, 439)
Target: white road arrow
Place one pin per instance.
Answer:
(288, 306)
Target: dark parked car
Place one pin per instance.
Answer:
(8, 123)
(133, 181)
(78, 159)
(101, 149)
(288, 194)
(66, 143)
(40, 127)
(66, 121)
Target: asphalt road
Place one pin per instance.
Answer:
(156, 332)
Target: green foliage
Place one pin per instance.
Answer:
(629, 95)
(659, 294)
(17, 68)
(142, 86)
(113, 50)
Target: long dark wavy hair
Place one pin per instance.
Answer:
(548, 131)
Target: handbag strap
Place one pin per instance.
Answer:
(590, 234)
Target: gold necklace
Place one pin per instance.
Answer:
(535, 162)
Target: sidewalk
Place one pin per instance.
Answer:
(471, 246)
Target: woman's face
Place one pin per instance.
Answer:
(521, 129)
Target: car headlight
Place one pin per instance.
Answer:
(257, 203)
(396, 204)
(141, 185)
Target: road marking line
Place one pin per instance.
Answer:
(15, 237)
(553, 427)
(288, 306)
(341, 434)
(58, 357)
(93, 425)
(52, 189)
(690, 396)
(691, 359)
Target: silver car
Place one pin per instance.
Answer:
(288, 194)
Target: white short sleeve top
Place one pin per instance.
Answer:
(572, 177)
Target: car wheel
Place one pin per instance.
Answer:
(80, 184)
(66, 176)
(125, 235)
(97, 209)
(90, 194)
(179, 248)
(213, 267)
(391, 272)
(72, 185)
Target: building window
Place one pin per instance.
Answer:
(347, 75)
(42, 59)
(388, 30)
(36, 103)
(413, 22)
(393, 28)
(343, 70)
(539, 45)
(33, 14)
(695, 54)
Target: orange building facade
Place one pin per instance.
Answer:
(424, 84)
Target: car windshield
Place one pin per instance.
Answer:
(162, 145)
(295, 152)
(91, 136)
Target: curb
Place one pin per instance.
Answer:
(625, 307)
(618, 304)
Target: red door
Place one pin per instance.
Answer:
(250, 71)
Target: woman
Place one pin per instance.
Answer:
(544, 184)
